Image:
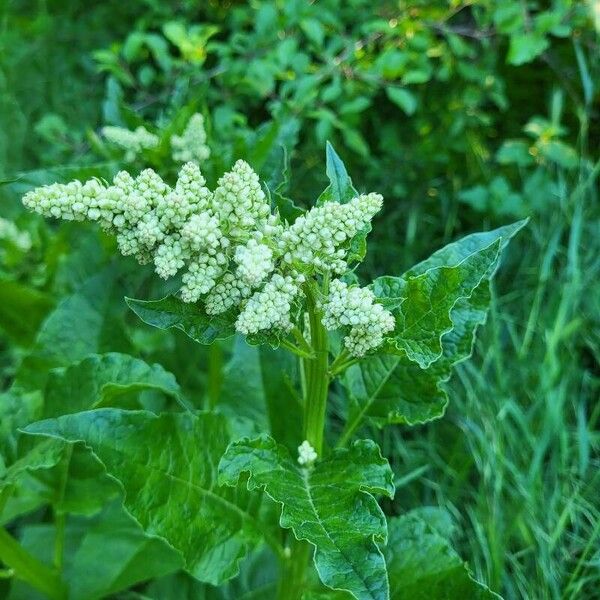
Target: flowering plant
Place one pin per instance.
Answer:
(257, 265)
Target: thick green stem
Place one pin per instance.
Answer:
(317, 380)
(30, 569)
(315, 387)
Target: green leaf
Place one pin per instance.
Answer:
(190, 318)
(422, 564)
(402, 98)
(331, 505)
(88, 321)
(90, 571)
(167, 467)
(422, 304)
(340, 188)
(514, 152)
(17, 299)
(392, 389)
(99, 379)
(525, 47)
(257, 380)
(560, 153)
(455, 252)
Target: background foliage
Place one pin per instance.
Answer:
(465, 115)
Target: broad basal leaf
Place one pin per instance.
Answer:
(167, 466)
(331, 505)
(422, 564)
(190, 318)
(99, 379)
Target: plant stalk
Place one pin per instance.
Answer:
(29, 569)
(316, 387)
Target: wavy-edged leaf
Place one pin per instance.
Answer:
(423, 312)
(422, 564)
(331, 505)
(167, 466)
(423, 298)
(454, 253)
(99, 379)
(191, 319)
(393, 389)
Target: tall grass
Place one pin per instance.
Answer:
(517, 456)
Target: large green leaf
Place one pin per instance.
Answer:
(99, 379)
(16, 300)
(167, 466)
(422, 564)
(190, 318)
(331, 505)
(392, 389)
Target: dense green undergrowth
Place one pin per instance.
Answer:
(465, 116)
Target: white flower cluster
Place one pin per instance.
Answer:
(191, 144)
(270, 309)
(355, 307)
(10, 233)
(133, 142)
(316, 238)
(306, 454)
(233, 252)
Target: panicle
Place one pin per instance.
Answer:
(356, 308)
(133, 142)
(316, 240)
(191, 144)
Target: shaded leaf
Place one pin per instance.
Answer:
(99, 379)
(422, 564)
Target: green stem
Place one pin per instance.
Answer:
(315, 370)
(29, 569)
(317, 379)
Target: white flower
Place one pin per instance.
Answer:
(240, 201)
(201, 277)
(133, 142)
(306, 454)
(190, 196)
(191, 144)
(229, 292)
(170, 256)
(315, 238)
(201, 232)
(356, 308)
(12, 234)
(255, 262)
(269, 308)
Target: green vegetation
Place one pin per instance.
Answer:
(466, 117)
